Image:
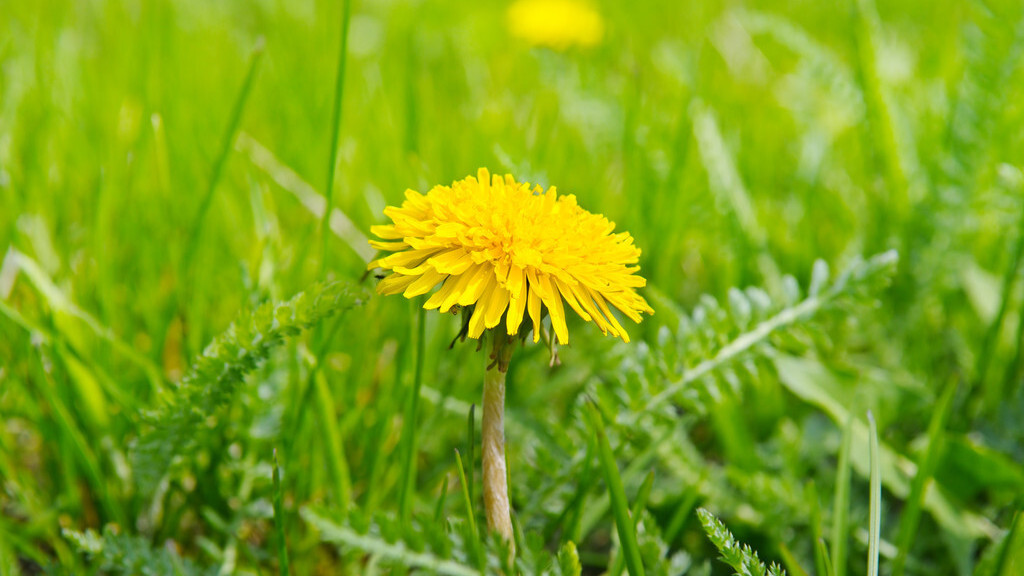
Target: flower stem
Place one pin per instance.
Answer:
(495, 478)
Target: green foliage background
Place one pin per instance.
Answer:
(760, 154)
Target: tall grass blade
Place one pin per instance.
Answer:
(282, 542)
(865, 32)
(991, 390)
(822, 565)
(841, 502)
(227, 144)
(407, 447)
(339, 93)
(725, 181)
(822, 562)
(875, 511)
(638, 505)
(789, 559)
(620, 509)
(336, 462)
(1011, 557)
(475, 545)
(314, 202)
(471, 449)
(925, 469)
(439, 506)
(686, 505)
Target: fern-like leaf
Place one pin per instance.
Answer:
(114, 553)
(741, 557)
(385, 542)
(713, 338)
(217, 373)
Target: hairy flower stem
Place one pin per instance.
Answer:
(495, 478)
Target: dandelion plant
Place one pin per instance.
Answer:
(500, 250)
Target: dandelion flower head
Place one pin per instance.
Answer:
(509, 250)
(557, 24)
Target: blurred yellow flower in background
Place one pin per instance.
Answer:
(557, 24)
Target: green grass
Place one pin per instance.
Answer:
(828, 198)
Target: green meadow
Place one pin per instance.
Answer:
(198, 377)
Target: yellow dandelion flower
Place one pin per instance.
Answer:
(509, 250)
(557, 24)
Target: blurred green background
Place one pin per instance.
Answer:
(739, 143)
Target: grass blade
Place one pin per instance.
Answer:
(620, 509)
(865, 31)
(638, 505)
(687, 503)
(335, 452)
(821, 557)
(792, 565)
(875, 514)
(408, 442)
(725, 181)
(841, 502)
(339, 92)
(471, 448)
(991, 392)
(476, 545)
(1012, 554)
(218, 166)
(290, 181)
(439, 506)
(822, 563)
(282, 543)
(926, 467)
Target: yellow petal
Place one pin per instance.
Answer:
(608, 313)
(570, 298)
(452, 298)
(496, 307)
(438, 298)
(409, 258)
(516, 307)
(557, 312)
(386, 232)
(580, 292)
(425, 283)
(452, 262)
(535, 284)
(476, 322)
(394, 284)
(388, 246)
(478, 285)
(533, 307)
(516, 281)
